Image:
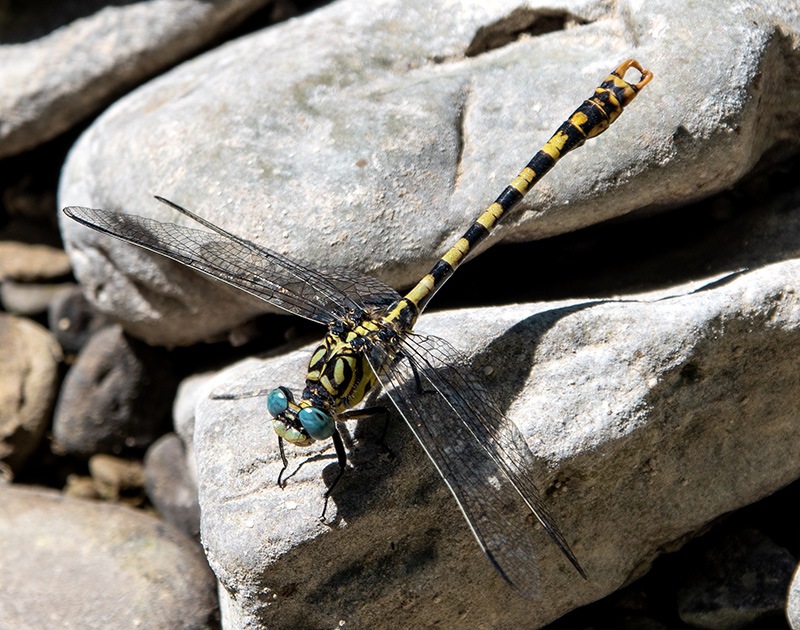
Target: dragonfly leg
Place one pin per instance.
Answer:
(415, 372)
(341, 458)
(364, 412)
(285, 461)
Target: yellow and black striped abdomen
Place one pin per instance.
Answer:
(591, 119)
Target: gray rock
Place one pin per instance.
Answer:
(739, 582)
(28, 385)
(793, 602)
(115, 397)
(368, 141)
(72, 320)
(63, 63)
(654, 413)
(70, 563)
(171, 486)
(190, 390)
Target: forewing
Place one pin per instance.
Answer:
(252, 268)
(477, 450)
(362, 289)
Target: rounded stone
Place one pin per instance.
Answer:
(72, 563)
(115, 398)
(28, 383)
(170, 485)
(72, 320)
(28, 298)
(63, 62)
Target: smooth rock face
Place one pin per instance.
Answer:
(653, 414)
(368, 141)
(22, 298)
(115, 397)
(63, 62)
(69, 563)
(28, 383)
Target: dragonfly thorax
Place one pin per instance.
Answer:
(339, 377)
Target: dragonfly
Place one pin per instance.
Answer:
(370, 342)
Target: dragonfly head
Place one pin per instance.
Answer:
(299, 424)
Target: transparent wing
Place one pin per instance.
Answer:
(479, 453)
(364, 290)
(254, 269)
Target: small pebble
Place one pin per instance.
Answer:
(72, 320)
(115, 478)
(29, 299)
(115, 398)
(28, 382)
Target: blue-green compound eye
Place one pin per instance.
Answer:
(318, 424)
(277, 401)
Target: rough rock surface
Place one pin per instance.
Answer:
(70, 563)
(369, 142)
(793, 604)
(367, 128)
(654, 413)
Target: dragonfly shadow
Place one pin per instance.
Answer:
(296, 468)
(371, 444)
(517, 349)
